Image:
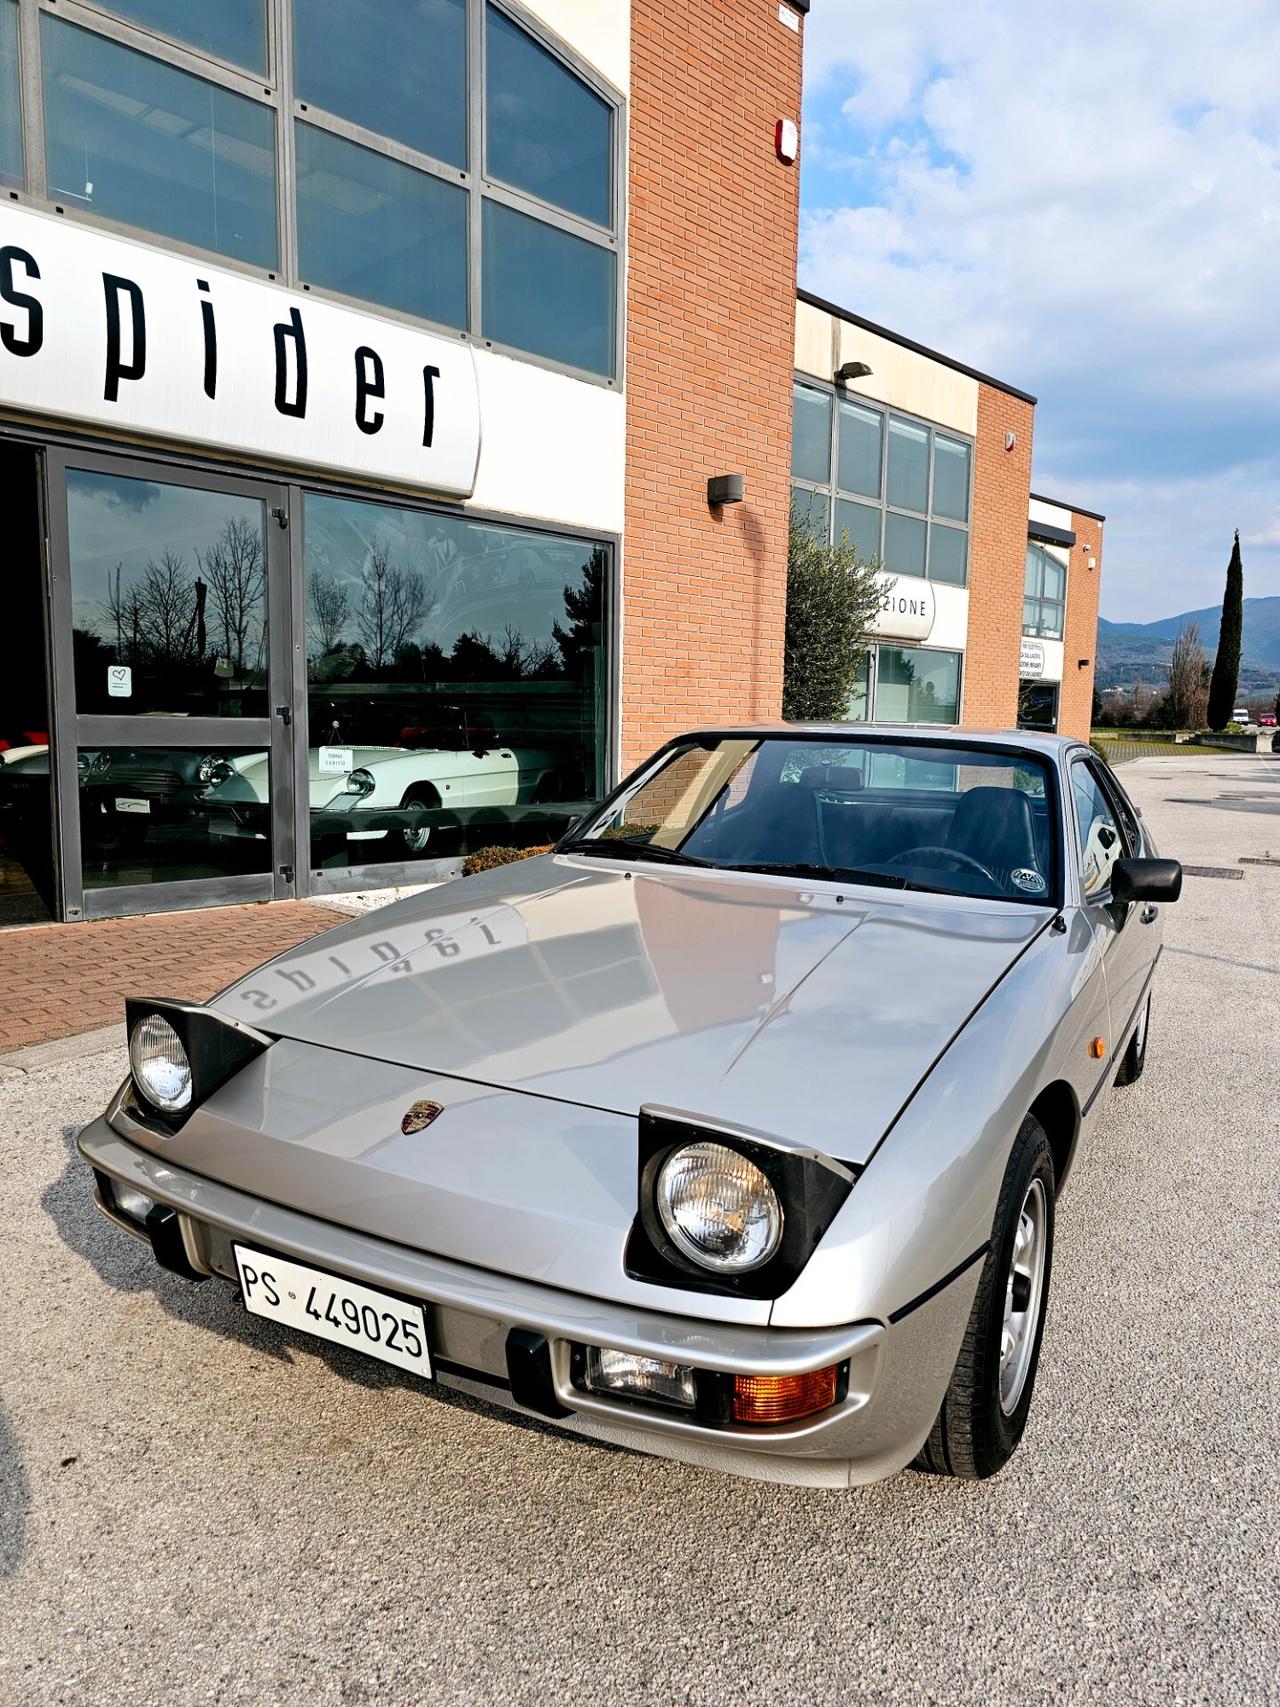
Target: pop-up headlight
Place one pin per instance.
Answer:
(180, 1052)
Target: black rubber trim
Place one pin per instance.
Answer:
(529, 1369)
(1110, 1067)
(938, 1285)
(165, 1232)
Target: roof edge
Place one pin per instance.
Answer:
(853, 319)
(1062, 504)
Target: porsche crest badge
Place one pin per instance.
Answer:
(419, 1116)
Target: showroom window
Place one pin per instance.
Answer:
(1044, 604)
(456, 682)
(900, 488)
(907, 684)
(438, 158)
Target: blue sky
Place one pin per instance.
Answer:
(1083, 200)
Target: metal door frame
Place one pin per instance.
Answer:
(71, 730)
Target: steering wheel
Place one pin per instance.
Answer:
(907, 857)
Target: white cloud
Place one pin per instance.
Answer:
(1085, 200)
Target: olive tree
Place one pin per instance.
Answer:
(833, 595)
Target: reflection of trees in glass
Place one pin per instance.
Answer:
(160, 617)
(584, 607)
(328, 610)
(393, 601)
(236, 573)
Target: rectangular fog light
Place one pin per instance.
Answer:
(129, 1201)
(625, 1375)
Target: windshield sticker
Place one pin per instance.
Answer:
(1029, 881)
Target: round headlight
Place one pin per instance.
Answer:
(718, 1207)
(206, 770)
(160, 1066)
(360, 782)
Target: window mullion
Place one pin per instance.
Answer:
(475, 164)
(33, 161)
(320, 119)
(281, 24)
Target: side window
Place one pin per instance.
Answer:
(1100, 841)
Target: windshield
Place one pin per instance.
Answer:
(946, 816)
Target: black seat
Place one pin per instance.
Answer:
(993, 826)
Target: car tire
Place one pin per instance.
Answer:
(1134, 1058)
(415, 842)
(987, 1403)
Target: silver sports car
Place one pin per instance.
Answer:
(731, 1129)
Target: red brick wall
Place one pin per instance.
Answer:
(997, 560)
(710, 334)
(1075, 704)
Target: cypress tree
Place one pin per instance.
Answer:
(1226, 666)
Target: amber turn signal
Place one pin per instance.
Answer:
(782, 1398)
(1098, 1048)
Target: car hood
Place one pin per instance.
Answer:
(751, 1001)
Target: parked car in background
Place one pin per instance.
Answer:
(1241, 715)
(1267, 720)
(732, 1129)
(453, 763)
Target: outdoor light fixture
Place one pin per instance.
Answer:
(1082, 663)
(1010, 439)
(851, 370)
(725, 489)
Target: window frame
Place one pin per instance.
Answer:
(832, 491)
(1041, 598)
(275, 90)
(1089, 764)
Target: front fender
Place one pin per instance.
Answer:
(922, 1209)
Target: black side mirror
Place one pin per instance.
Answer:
(1146, 880)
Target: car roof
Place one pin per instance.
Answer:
(1024, 740)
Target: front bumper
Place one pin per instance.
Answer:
(896, 1374)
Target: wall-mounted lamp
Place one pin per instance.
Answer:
(851, 370)
(1082, 663)
(1010, 439)
(724, 489)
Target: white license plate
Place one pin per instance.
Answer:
(132, 805)
(336, 1309)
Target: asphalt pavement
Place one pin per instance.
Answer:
(197, 1506)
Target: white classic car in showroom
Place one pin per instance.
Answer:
(457, 763)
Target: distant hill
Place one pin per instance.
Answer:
(1139, 651)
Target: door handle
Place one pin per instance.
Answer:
(1149, 914)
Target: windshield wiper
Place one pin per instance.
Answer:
(630, 850)
(831, 873)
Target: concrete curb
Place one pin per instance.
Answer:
(58, 1050)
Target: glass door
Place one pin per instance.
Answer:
(173, 757)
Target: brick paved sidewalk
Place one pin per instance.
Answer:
(59, 980)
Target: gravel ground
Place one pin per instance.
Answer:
(197, 1507)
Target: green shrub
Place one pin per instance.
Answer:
(488, 859)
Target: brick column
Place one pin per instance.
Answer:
(1080, 635)
(711, 247)
(997, 560)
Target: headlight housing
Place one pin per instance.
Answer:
(159, 1064)
(359, 782)
(727, 1211)
(719, 1207)
(207, 769)
(179, 1054)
